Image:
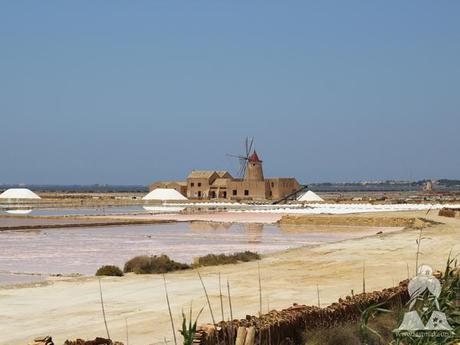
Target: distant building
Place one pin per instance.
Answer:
(210, 184)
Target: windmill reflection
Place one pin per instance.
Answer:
(254, 232)
(205, 227)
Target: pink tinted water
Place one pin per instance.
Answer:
(83, 250)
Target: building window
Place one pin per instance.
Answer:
(192, 184)
(234, 192)
(273, 184)
(199, 184)
(199, 193)
(246, 192)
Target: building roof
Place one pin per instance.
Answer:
(19, 193)
(254, 158)
(164, 194)
(223, 173)
(201, 174)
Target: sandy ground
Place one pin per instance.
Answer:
(70, 309)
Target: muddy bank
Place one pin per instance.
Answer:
(376, 220)
(10, 223)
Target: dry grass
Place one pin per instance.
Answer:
(349, 334)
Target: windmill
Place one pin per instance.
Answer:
(243, 159)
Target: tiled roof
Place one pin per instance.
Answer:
(254, 158)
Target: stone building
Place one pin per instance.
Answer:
(210, 184)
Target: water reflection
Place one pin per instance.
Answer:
(254, 231)
(163, 209)
(202, 227)
(19, 211)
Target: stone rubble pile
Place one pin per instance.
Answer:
(46, 340)
(97, 341)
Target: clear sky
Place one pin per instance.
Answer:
(128, 92)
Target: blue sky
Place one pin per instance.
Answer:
(128, 92)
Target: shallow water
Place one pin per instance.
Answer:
(83, 250)
(7, 279)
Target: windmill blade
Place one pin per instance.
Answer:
(242, 170)
(236, 156)
(250, 146)
(243, 173)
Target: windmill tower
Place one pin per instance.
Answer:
(254, 171)
(250, 163)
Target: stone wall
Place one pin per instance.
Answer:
(288, 325)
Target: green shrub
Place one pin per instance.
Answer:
(153, 264)
(224, 259)
(109, 270)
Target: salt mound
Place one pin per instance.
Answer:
(310, 196)
(19, 193)
(164, 194)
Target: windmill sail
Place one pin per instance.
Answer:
(243, 159)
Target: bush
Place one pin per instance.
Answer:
(109, 270)
(224, 259)
(153, 264)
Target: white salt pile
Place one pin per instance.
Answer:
(310, 196)
(163, 194)
(19, 193)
